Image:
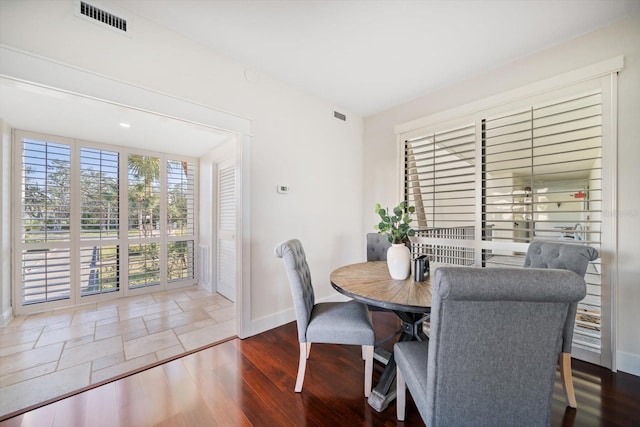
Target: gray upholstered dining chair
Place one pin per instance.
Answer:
(492, 353)
(377, 246)
(571, 257)
(329, 322)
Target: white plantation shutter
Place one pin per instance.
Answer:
(543, 169)
(181, 263)
(99, 269)
(543, 180)
(46, 275)
(99, 221)
(440, 182)
(181, 195)
(527, 170)
(45, 206)
(226, 262)
(144, 195)
(144, 236)
(144, 265)
(72, 201)
(100, 186)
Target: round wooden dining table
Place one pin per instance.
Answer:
(371, 283)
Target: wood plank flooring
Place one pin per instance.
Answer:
(250, 383)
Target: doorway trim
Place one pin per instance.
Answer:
(38, 71)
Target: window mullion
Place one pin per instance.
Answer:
(123, 233)
(164, 247)
(75, 221)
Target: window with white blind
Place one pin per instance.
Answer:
(542, 180)
(144, 237)
(487, 184)
(180, 220)
(439, 180)
(100, 187)
(90, 221)
(99, 220)
(45, 184)
(180, 198)
(99, 269)
(143, 191)
(46, 275)
(144, 265)
(181, 260)
(542, 171)
(45, 221)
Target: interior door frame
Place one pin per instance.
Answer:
(26, 67)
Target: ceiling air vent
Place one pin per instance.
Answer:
(340, 116)
(95, 14)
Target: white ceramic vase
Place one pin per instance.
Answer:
(399, 261)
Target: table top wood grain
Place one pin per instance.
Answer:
(370, 282)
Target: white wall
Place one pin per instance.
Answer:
(296, 141)
(380, 154)
(5, 223)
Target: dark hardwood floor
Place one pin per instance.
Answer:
(250, 383)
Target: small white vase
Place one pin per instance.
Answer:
(399, 261)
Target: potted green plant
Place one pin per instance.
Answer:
(396, 227)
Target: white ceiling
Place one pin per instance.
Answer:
(370, 55)
(39, 109)
(363, 55)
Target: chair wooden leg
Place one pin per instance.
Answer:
(308, 349)
(367, 351)
(567, 379)
(302, 365)
(401, 395)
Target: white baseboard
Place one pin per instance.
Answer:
(206, 286)
(7, 315)
(584, 355)
(629, 363)
(271, 321)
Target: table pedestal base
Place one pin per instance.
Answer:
(385, 391)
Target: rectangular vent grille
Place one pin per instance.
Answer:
(340, 116)
(100, 15)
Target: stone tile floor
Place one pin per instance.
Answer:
(46, 355)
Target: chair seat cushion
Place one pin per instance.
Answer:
(411, 358)
(340, 323)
